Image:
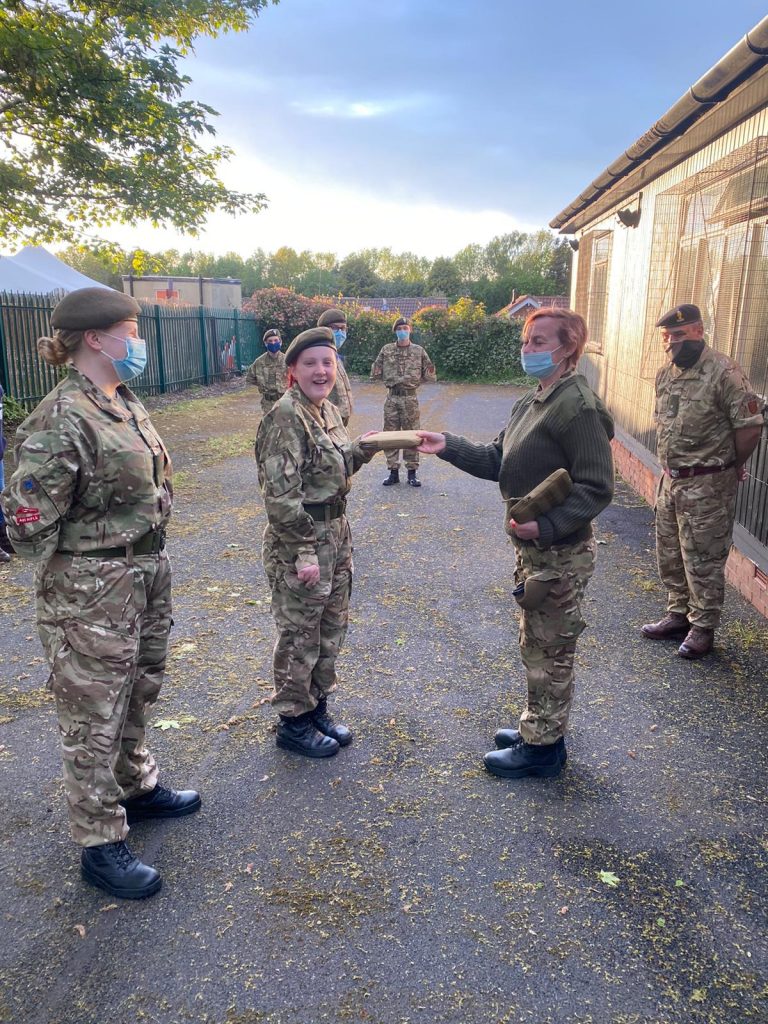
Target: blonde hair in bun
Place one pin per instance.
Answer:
(60, 348)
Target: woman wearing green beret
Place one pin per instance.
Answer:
(305, 463)
(89, 502)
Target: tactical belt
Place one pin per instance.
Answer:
(400, 389)
(688, 471)
(150, 544)
(320, 513)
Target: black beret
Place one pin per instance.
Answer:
(89, 309)
(332, 316)
(680, 316)
(273, 331)
(309, 339)
(400, 322)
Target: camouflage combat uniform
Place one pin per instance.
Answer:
(269, 374)
(305, 459)
(697, 411)
(403, 368)
(92, 475)
(341, 395)
(562, 426)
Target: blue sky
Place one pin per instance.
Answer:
(425, 126)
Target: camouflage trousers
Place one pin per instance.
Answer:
(311, 622)
(401, 412)
(104, 626)
(548, 635)
(694, 529)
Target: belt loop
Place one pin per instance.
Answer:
(129, 554)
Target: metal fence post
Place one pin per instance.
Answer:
(237, 341)
(160, 352)
(3, 361)
(203, 343)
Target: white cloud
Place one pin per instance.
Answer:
(353, 109)
(330, 218)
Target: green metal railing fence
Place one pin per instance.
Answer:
(186, 345)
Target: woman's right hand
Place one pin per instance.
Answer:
(431, 443)
(309, 575)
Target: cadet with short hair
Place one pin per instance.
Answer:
(403, 367)
(268, 372)
(89, 501)
(559, 425)
(341, 393)
(708, 423)
(305, 462)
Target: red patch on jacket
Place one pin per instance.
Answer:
(752, 406)
(27, 515)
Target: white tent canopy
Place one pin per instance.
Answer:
(34, 269)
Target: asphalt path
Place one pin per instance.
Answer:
(399, 883)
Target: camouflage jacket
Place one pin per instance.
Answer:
(403, 366)
(698, 409)
(341, 396)
(304, 455)
(269, 374)
(89, 473)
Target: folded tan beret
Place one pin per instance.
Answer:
(391, 440)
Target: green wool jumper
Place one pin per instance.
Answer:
(563, 426)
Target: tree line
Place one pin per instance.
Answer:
(535, 263)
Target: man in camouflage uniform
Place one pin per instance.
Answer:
(341, 395)
(268, 372)
(89, 502)
(305, 462)
(403, 367)
(708, 422)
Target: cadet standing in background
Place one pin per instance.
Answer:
(403, 367)
(341, 395)
(561, 424)
(89, 502)
(708, 423)
(268, 372)
(306, 462)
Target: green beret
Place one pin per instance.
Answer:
(400, 322)
(309, 339)
(272, 332)
(88, 309)
(681, 316)
(332, 316)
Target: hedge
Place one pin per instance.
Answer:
(463, 342)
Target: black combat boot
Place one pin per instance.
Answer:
(300, 735)
(324, 723)
(412, 478)
(393, 478)
(116, 870)
(509, 737)
(5, 544)
(521, 759)
(161, 803)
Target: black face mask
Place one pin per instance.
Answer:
(688, 354)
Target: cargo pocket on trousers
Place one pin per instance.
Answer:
(92, 666)
(318, 594)
(558, 619)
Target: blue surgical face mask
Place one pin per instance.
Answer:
(339, 337)
(274, 346)
(133, 362)
(402, 335)
(539, 364)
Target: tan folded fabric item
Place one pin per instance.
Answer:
(385, 440)
(546, 495)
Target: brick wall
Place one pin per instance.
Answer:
(740, 571)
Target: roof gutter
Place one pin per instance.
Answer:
(739, 64)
